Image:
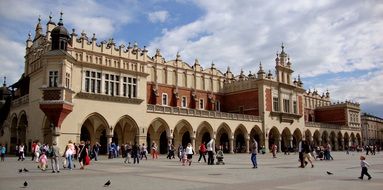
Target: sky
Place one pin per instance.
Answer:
(333, 45)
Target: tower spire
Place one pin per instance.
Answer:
(61, 19)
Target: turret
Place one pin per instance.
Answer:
(50, 26)
(60, 36)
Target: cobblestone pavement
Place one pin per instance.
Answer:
(281, 173)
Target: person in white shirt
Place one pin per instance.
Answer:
(210, 146)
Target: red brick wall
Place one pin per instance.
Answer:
(268, 98)
(247, 99)
(334, 116)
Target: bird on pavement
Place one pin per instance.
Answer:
(329, 173)
(20, 170)
(25, 184)
(25, 170)
(107, 183)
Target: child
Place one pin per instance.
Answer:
(43, 161)
(184, 157)
(364, 165)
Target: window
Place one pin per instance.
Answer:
(275, 104)
(218, 105)
(201, 104)
(53, 78)
(184, 102)
(295, 107)
(92, 81)
(164, 99)
(129, 87)
(286, 105)
(112, 84)
(67, 80)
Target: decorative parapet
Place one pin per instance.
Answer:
(101, 97)
(331, 126)
(57, 93)
(20, 101)
(200, 113)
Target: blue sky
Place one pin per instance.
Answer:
(333, 44)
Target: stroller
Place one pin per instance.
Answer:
(319, 153)
(220, 157)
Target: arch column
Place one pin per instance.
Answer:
(231, 145)
(247, 139)
(56, 134)
(109, 138)
(291, 141)
(193, 143)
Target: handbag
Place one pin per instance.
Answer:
(87, 160)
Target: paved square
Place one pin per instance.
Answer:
(281, 173)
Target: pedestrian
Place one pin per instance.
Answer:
(180, 151)
(82, 155)
(21, 152)
(135, 153)
(202, 152)
(96, 149)
(144, 151)
(254, 151)
(128, 150)
(274, 150)
(364, 166)
(210, 146)
(189, 152)
(55, 156)
(301, 152)
(43, 161)
(70, 149)
(3, 150)
(307, 152)
(154, 150)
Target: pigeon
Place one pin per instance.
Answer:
(25, 184)
(20, 170)
(329, 173)
(107, 183)
(25, 170)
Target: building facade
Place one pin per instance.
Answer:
(74, 88)
(372, 130)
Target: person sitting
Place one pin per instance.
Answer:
(220, 156)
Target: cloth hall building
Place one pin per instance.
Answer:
(75, 88)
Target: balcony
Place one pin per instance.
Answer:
(331, 126)
(20, 101)
(57, 94)
(201, 113)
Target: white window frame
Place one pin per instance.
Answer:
(53, 78)
(184, 101)
(165, 99)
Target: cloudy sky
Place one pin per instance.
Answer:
(333, 44)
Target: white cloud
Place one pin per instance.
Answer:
(158, 16)
(11, 59)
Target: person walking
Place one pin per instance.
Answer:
(210, 146)
(202, 152)
(55, 156)
(128, 150)
(154, 150)
(274, 150)
(3, 150)
(21, 152)
(96, 150)
(254, 151)
(189, 152)
(144, 151)
(135, 153)
(82, 154)
(307, 152)
(69, 154)
(364, 166)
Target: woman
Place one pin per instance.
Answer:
(189, 152)
(82, 154)
(69, 151)
(154, 151)
(202, 152)
(21, 152)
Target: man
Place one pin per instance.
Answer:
(300, 150)
(55, 155)
(254, 151)
(210, 146)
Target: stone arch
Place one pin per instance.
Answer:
(332, 142)
(308, 136)
(317, 138)
(353, 139)
(95, 128)
(22, 126)
(126, 130)
(358, 139)
(223, 137)
(286, 142)
(297, 137)
(183, 133)
(340, 141)
(257, 134)
(274, 137)
(204, 133)
(325, 137)
(159, 133)
(13, 132)
(47, 131)
(240, 138)
(347, 140)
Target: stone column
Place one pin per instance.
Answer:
(231, 145)
(55, 135)
(247, 139)
(193, 143)
(291, 141)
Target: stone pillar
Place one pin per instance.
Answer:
(231, 145)
(336, 147)
(193, 144)
(55, 135)
(247, 139)
(291, 141)
(109, 138)
(342, 144)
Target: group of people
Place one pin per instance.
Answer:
(136, 152)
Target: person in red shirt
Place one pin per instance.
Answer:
(202, 152)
